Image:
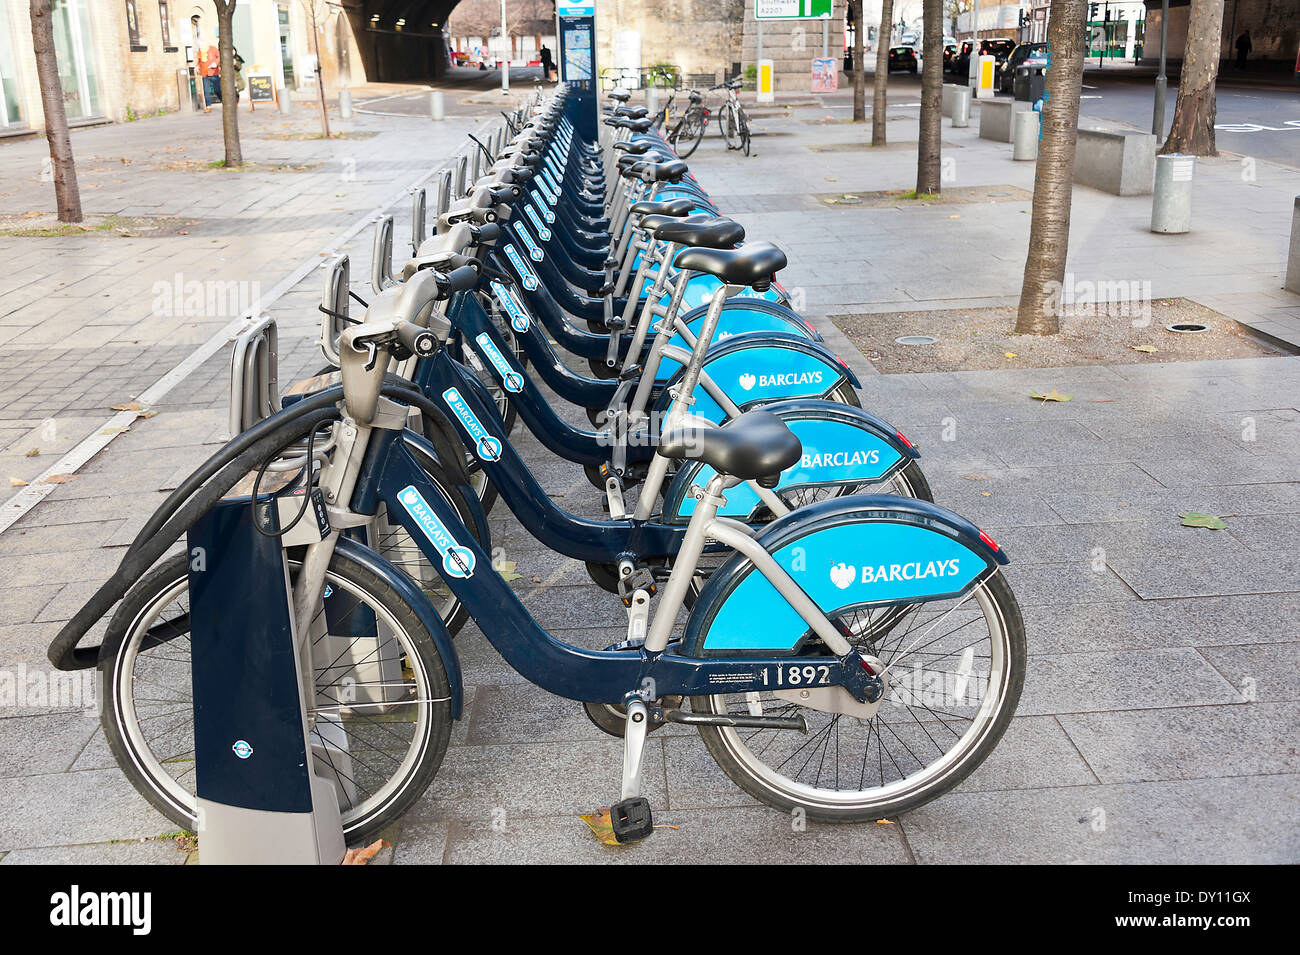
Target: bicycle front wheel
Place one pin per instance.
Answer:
(729, 125)
(689, 133)
(380, 721)
(955, 670)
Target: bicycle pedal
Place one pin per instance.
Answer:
(631, 819)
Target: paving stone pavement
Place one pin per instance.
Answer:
(1159, 717)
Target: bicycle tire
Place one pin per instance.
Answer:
(691, 132)
(729, 126)
(150, 773)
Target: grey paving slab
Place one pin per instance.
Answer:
(1263, 672)
(1251, 739)
(140, 852)
(1130, 679)
(57, 809)
(1209, 575)
(715, 836)
(44, 744)
(1247, 820)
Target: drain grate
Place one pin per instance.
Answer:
(1187, 328)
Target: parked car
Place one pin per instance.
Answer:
(1006, 69)
(903, 59)
(997, 48)
(949, 51)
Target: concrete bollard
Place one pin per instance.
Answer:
(1024, 134)
(286, 101)
(437, 109)
(345, 104)
(652, 100)
(961, 107)
(1293, 258)
(1171, 203)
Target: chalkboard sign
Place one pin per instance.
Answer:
(260, 88)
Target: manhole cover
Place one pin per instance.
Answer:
(916, 340)
(1187, 328)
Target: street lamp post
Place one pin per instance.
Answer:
(1162, 82)
(505, 56)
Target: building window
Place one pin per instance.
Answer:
(78, 69)
(11, 113)
(165, 18)
(133, 28)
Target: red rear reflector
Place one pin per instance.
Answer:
(988, 540)
(902, 437)
(867, 668)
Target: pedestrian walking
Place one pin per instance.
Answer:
(239, 75)
(547, 63)
(1244, 47)
(210, 69)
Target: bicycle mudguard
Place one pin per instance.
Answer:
(418, 601)
(842, 445)
(739, 315)
(848, 552)
(759, 368)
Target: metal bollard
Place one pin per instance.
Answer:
(286, 101)
(345, 104)
(1024, 134)
(961, 108)
(1171, 203)
(437, 110)
(652, 100)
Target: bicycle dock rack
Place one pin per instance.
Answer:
(260, 800)
(419, 219)
(254, 376)
(335, 299)
(443, 202)
(381, 257)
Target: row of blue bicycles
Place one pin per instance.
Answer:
(845, 646)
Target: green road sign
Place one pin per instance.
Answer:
(792, 9)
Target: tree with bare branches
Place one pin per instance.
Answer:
(67, 195)
(929, 143)
(884, 34)
(1049, 227)
(1193, 126)
(229, 101)
(315, 11)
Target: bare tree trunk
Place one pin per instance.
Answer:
(67, 196)
(929, 140)
(1193, 126)
(878, 103)
(1049, 228)
(320, 78)
(859, 64)
(229, 98)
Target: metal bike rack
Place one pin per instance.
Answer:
(443, 202)
(458, 177)
(381, 256)
(254, 376)
(419, 218)
(335, 298)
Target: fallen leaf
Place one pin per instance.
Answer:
(536, 579)
(1010, 354)
(977, 476)
(985, 493)
(60, 478)
(601, 826)
(828, 178)
(885, 822)
(1144, 348)
(506, 568)
(129, 406)
(17, 482)
(114, 430)
(1197, 519)
(363, 856)
(950, 217)
(1052, 395)
(34, 452)
(147, 414)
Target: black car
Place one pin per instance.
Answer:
(1006, 70)
(902, 58)
(997, 48)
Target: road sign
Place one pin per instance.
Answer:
(792, 9)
